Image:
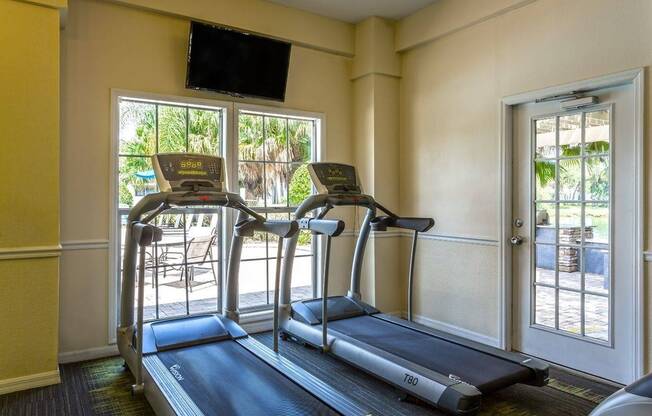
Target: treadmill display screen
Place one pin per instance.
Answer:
(334, 178)
(177, 171)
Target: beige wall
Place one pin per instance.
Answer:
(104, 46)
(450, 93)
(29, 207)
(440, 155)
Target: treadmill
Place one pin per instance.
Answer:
(207, 364)
(449, 372)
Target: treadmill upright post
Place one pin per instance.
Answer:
(324, 296)
(138, 387)
(415, 236)
(277, 283)
(358, 254)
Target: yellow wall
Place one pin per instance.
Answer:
(29, 207)
(450, 93)
(148, 54)
(264, 17)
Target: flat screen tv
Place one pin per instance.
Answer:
(236, 63)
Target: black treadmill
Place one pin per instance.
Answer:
(207, 364)
(447, 371)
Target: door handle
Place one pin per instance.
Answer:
(516, 240)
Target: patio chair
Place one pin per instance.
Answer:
(198, 251)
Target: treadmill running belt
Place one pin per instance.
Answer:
(223, 378)
(484, 371)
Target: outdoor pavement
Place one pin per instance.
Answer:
(596, 307)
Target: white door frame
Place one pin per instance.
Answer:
(634, 77)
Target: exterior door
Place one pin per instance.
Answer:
(572, 250)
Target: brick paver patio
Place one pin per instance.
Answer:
(596, 307)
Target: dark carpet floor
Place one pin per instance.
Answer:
(101, 387)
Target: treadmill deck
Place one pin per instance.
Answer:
(224, 378)
(484, 371)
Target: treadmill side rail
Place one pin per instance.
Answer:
(314, 386)
(163, 392)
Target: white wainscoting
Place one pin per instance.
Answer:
(451, 329)
(483, 241)
(99, 244)
(88, 354)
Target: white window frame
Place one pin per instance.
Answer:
(229, 149)
(318, 152)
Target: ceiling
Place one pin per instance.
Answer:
(353, 11)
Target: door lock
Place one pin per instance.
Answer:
(516, 240)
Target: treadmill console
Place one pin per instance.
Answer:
(334, 178)
(189, 172)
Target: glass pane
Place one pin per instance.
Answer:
(570, 179)
(271, 275)
(301, 132)
(276, 144)
(136, 179)
(568, 262)
(596, 311)
(170, 265)
(570, 135)
(300, 184)
(596, 135)
(250, 128)
(546, 216)
(250, 181)
(545, 306)
(272, 240)
(545, 138)
(253, 283)
(137, 128)
(302, 278)
(203, 268)
(545, 264)
(304, 243)
(171, 129)
(596, 175)
(596, 222)
(570, 223)
(596, 269)
(203, 131)
(255, 247)
(570, 311)
(277, 186)
(545, 172)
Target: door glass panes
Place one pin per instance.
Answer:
(545, 179)
(183, 270)
(571, 205)
(545, 144)
(273, 179)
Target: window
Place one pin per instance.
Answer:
(571, 194)
(270, 151)
(273, 153)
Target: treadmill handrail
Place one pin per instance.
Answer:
(154, 204)
(420, 224)
(332, 228)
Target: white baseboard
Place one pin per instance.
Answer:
(455, 330)
(88, 354)
(257, 322)
(29, 382)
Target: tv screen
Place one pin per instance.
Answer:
(236, 63)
